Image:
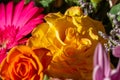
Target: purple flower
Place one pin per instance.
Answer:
(102, 69)
(101, 64)
(115, 74)
(116, 51)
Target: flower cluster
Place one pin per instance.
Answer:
(71, 38)
(15, 23)
(42, 40)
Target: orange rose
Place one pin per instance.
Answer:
(22, 63)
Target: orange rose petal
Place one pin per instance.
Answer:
(37, 77)
(25, 50)
(19, 62)
(3, 69)
(12, 54)
(23, 68)
(44, 56)
(28, 59)
(18, 50)
(28, 52)
(41, 76)
(34, 64)
(41, 52)
(40, 66)
(12, 73)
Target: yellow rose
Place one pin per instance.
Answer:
(22, 63)
(72, 38)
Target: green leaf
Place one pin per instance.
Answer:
(27, 1)
(95, 3)
(45, 3)
(115, 9)
(118, 18)
(72, 2)
(46, 77)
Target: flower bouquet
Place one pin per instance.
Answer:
(59, 40)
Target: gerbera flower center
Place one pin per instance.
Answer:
(3, 44)
(7, 37)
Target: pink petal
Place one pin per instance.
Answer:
(29, 27)
(118, 69)
(116, 72)
(116, 51)
(97, 73)
(2, 54)
(106, 62)
(28, 7)
(17, 12)
(28, 12)
(101, 59)
(98, 56)
(9, 11)
(2, 15)
(27, 16)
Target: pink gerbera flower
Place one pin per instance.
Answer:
(16, 22)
